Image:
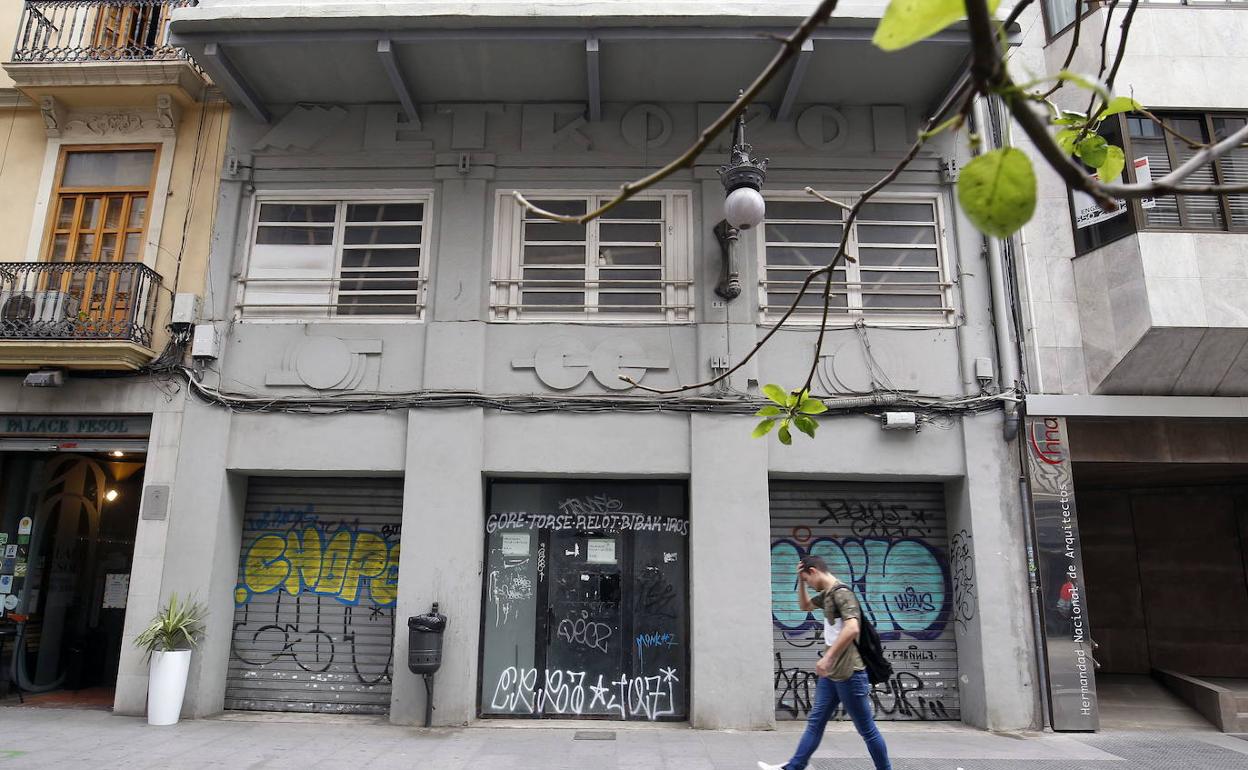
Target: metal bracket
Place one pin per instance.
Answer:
(729, 286)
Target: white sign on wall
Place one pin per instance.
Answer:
(1088, 212)
(600, 551)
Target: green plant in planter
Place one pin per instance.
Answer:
(179, 625)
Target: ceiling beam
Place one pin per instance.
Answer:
(231, 82)
(595, 83)
(769, 34)
(795, 80)
(390, 63)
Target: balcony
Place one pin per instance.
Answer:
(103, 43)
(77, 315)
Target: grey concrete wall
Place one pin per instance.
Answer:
(729, 577)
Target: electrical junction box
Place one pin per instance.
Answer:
(185, 309)
(983, 369)
(901, 421)
(206, 343)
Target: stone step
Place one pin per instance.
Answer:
(1242, 718)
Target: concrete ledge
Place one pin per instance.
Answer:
(1217, 704)
(103, 355)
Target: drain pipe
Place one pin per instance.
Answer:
(1007, 360)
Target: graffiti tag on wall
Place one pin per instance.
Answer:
(903, 584)
(345, 564)
(519, 691)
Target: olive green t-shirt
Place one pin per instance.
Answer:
(843, 605)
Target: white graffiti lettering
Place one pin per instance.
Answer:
(563, 692)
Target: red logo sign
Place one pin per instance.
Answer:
(1046, 441)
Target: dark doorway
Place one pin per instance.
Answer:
(68, 521)
(586, 601)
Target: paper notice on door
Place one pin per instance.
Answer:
(19, 569)
(24, 525)
(10, 551)
(600, 551)
(6, 584)
(4, 538)
(515, 544)
(116, 589)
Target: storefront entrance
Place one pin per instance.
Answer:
(586, 601)
(67, 526)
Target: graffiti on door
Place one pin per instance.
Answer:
(350, 564)
(903, 585)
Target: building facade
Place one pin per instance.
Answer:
(405, 390)
(1135, 353)
(109, 162)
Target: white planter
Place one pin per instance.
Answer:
(166, 686)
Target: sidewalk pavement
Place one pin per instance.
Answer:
(74, 738)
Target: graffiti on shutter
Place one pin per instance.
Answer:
(314, 603)
(888, 542)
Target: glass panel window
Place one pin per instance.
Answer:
(1060, 14)
(123, 168)
(336, 259)
(898, 273)
(624, 265)
(1157, 149)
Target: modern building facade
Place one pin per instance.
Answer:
(1135, 346)
(405, 390)
(109, 162)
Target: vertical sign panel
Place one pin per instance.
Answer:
(1068, 646)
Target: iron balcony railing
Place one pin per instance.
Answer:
(78, 301)
(97, 31)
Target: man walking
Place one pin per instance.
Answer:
(842, 675)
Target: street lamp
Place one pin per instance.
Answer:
(744, 207)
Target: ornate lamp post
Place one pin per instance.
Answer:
(744, 207)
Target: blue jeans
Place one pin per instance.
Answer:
(853, 692)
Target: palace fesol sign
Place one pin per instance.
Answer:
(1067, 640)
(74, 426)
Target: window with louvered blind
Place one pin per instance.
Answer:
(1158, 149)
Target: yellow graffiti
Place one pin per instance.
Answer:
(302, 561)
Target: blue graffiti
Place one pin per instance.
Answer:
(903, 584)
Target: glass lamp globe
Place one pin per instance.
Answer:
(744, 208)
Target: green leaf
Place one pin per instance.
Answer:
(776, 394)
(906, 22)
(813, 406)
(768, 411)
(763, 428)
(792, 400)
(1119, 104)
(1092, 150)
(1069, 118)
(1066, 140)
(997, 190)
(786, 437)
(1086, 82)
(806, 425)
(1111, 169)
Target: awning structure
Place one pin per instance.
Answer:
(262, 55)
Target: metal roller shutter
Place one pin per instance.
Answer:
(314, 604)
(889, 541)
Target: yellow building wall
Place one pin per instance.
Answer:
(10, 18)
(196, 168)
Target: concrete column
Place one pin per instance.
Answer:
(150, 539)
(443, 520)
(204, 536)
(988, 562)
(730, 576)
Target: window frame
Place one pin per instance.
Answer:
(676, 267)
(853, 315)
(340, 199)
(59, 189)
(1224, 205)
(1051, 34)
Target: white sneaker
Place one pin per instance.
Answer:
(765, 766)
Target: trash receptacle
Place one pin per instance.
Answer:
(424, 641)
(424, 651)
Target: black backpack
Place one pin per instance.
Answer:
(870, 649)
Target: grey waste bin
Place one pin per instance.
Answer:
(424, 651)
